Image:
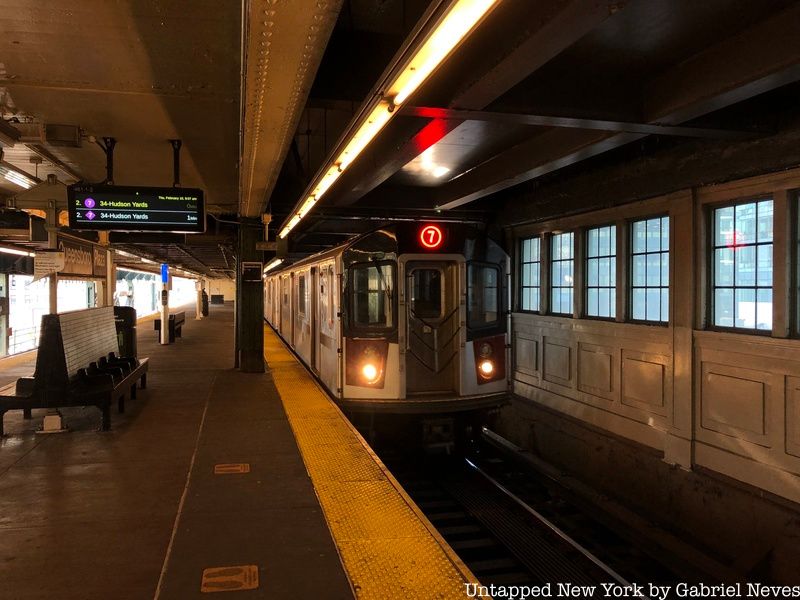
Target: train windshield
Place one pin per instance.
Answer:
(483, 293)
(372, 295)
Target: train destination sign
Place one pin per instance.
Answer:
(134, 208)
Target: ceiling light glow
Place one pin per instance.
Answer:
(458, 21)
(18, 179)
(273, 264)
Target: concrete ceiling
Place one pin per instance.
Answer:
(142, 71)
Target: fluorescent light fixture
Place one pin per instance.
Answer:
(457, 22)
(379, 117)
(273, 264)
(440, 171)
(17, 177)
(15, 252)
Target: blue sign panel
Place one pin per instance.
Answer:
(164, 273)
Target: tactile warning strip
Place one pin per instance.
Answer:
(388, 548)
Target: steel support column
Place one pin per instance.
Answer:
(250, 301)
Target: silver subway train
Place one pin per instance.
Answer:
(410, 318)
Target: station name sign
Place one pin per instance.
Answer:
(135, 208)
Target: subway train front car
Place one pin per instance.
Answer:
(408, 323)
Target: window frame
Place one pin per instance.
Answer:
(629, 276)
(370, 331)
(550, 286)
(499, 322)
(585, 259)
(709, 250)
(521, 266)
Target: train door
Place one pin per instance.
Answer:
(433, 325)
(326, 341)
(286, 309)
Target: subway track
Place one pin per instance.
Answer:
(512, 526)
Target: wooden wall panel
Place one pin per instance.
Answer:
(557, 361)
(596, 370)
(734, 401)
(644, 381)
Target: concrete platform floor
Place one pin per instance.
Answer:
(137, 512)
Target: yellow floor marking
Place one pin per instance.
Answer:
(229, 579)
(232, 468)
(388, 548)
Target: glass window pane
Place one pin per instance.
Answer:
(653, 235)
(723, 307)
(603, 304)
(653, 270)
(591, 302)
(745, 265)
(638, 304)
(765, 221)
(665, 304)
(592, 243)
(665, 269)
(639, 236)
(745, 308)
(665, 233)
(723, 226)
(591, 272)
(653, 306)
(764, 309)
(639, 269)
(765, 265)
(745, 229)
(723, 266)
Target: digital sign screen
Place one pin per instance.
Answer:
(129, 208)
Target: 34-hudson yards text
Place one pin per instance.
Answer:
(633, 590)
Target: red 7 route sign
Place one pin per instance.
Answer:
(431, 237)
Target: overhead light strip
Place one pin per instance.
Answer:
(458, 21)
(17, 177)
(273, 264)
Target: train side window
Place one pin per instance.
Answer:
(741, 246)
(483, 295)
(426, 293)
(530, 270)
(372, 295)
(301, 295)
(650, 270)
(331, 292)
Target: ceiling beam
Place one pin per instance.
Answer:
(561, 24)
(572, 123)
(757, 60)
(283, 45)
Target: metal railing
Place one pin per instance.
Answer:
(22, 339)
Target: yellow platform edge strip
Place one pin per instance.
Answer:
(387, 546)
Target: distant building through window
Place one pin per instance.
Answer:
(562, 253)
(601, 272)
(650, 270)
(742, 265)
(530, 272)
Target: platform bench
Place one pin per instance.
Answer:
(77, 364)
(174, 325)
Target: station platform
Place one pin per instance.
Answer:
(212, 481)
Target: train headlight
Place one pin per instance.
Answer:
(370, 373)
(486, 368)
